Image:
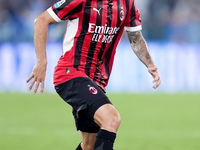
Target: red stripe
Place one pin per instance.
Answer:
(85, 47)
(53, 7)
(99, 44)
(67, 8)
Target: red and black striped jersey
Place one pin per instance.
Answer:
(94, 29)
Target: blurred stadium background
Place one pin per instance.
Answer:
(167, 118)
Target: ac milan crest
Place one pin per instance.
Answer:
(93, 90)
(122, 15)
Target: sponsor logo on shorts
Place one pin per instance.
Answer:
(93, 90)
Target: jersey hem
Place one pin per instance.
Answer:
(137, 28)
(53, 15)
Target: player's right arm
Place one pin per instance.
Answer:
(38, 74)
(62, 10)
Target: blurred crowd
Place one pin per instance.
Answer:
(171, 20)
(163, 20)
(17, 18)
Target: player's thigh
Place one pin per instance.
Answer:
(88, 140)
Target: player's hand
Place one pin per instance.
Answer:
(38, 75)
(153, 71)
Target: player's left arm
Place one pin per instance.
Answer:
(139, 46)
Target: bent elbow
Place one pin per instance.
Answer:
(44, 19)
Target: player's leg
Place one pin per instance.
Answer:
(69, 93)
(90, 103)
(108, 118)
(88, 140)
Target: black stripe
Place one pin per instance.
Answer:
(110, 48)
(108, 52)
(56, 10)
(127, 6)
(74, 11)
(133, 16)
(93, 44)
(80, 39)
(99, 61)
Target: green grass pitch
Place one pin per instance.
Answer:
(149, 122)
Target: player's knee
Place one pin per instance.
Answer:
(112, 123)
(115, 121)
(108, 118)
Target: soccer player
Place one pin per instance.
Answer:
(94, 29)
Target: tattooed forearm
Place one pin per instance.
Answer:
(139, 46)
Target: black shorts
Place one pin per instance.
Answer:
(85, 97)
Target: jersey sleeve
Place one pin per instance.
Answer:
(65, 9)
(133, 22)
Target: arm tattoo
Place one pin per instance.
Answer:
(139, 46)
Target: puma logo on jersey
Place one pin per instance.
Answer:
(98, 11)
